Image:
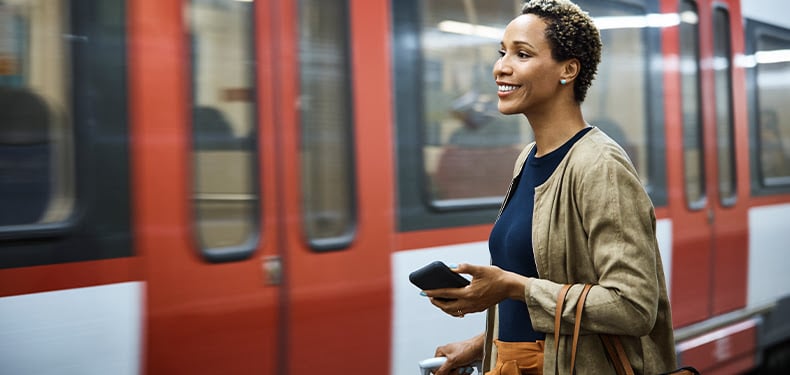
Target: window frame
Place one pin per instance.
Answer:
(755, 30)
(416, 209)
(102, 209)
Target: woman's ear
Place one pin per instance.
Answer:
(571, 69)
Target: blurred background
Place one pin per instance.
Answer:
(223, 186)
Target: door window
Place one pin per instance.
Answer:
(224, 154)
(725, 145)
(327, 139)
(693, 158)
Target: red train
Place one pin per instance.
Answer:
(242, 187)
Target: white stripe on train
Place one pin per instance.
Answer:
(93, 330)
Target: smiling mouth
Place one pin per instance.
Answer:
(506, 88)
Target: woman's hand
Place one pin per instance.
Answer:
(489, 286)
(459, 355)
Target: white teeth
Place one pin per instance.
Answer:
(506, 88)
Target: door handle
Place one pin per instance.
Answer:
(272, 267)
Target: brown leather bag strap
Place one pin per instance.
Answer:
(578, 323)
(621, 357)
(611, 351)
(557, 323)
(613, 345)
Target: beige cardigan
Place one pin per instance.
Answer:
(594, 223)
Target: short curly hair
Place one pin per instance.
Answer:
(571, 34)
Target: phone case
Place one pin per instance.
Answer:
(436, 275)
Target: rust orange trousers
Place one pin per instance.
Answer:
(518, 358)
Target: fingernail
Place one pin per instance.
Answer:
(423, 294)
(452, 265)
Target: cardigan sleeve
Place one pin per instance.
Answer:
(609, 226)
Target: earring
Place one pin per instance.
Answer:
(563, 81)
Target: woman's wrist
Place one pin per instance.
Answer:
(517, 286)
(478, 343)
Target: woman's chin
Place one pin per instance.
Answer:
(507, 110)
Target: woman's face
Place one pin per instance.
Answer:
(527, 76)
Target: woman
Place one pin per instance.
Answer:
(575, 213)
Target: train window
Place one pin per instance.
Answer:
(225, 192)
(468, 147)
(455, 151)
(36, 134)
(773, 115)
(693, 160)
(725, 142)
(326, 124)
(64, 138)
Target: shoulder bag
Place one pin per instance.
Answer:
(614, 348)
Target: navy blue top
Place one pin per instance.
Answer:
(510, 242)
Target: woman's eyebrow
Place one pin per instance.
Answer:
(518, 42)
(524, 43)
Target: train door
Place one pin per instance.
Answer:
(710, 233)
(205, 201)
(730, 221)
(265, 224)
(334, 172)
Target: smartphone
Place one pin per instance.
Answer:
(436, 275)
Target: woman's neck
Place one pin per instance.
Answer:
(553, 128)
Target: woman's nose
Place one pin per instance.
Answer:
(501, 68)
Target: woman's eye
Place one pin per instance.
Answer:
(523, 55)
(501, 53)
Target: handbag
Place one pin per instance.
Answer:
(614, 348)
